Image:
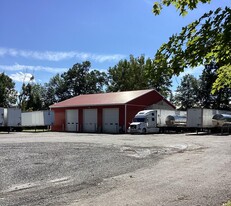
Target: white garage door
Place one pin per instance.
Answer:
(90, 120)
(111, 120)
(72, 120)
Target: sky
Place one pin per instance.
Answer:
(46, 37)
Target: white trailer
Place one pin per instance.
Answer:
(38, 118)
(200, 118)
(10, 119)
(151, 121)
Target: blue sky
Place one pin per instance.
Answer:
(46, 37)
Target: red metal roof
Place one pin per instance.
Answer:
(113, 98)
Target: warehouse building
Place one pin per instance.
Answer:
(104, 112)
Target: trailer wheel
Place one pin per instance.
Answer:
(144, 131)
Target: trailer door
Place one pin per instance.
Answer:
(194, 117)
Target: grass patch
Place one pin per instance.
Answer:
(227, 204)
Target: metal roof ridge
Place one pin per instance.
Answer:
(148, 90)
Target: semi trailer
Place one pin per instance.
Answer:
(154, 121)
(207, 119)
(10, 119)
(195, 119)
(38, 118)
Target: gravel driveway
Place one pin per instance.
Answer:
(99, 169)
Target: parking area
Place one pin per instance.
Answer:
(51, 168)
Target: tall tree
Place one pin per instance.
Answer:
(202, 41)
(138, 73)
(187, 93)
(8, 95)
(80, 80)
(55, 90)
(37, 98)
(30, 96)
(206, 80)
(208, 99)
(95, 82)
(77, 80)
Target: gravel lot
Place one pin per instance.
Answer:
(98, 169)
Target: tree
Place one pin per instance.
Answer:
(55, 90)
(182, 5)
(31, 96)
(138, 73)
(218, 99)
(223, 79)
(77, 80)
(201, 42)
(187, 93)
(193, 92)
(8, 95)
(95, 82)
(37, 98)
(80, 80)
(206, 80)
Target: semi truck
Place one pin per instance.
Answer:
(154, 121)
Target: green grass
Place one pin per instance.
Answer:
(227, 204)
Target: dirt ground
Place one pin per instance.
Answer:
(51, 168)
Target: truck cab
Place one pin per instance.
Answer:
(144, 122)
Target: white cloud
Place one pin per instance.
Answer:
(21, 77)
(193, 71)
(59, 56)
(19, 67)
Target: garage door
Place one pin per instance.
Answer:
(72, 120)
(90, 120)
(111, 120)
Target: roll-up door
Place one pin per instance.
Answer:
(111, 120)
(72, 120)
(90, 120)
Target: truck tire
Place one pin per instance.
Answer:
(144, 131)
